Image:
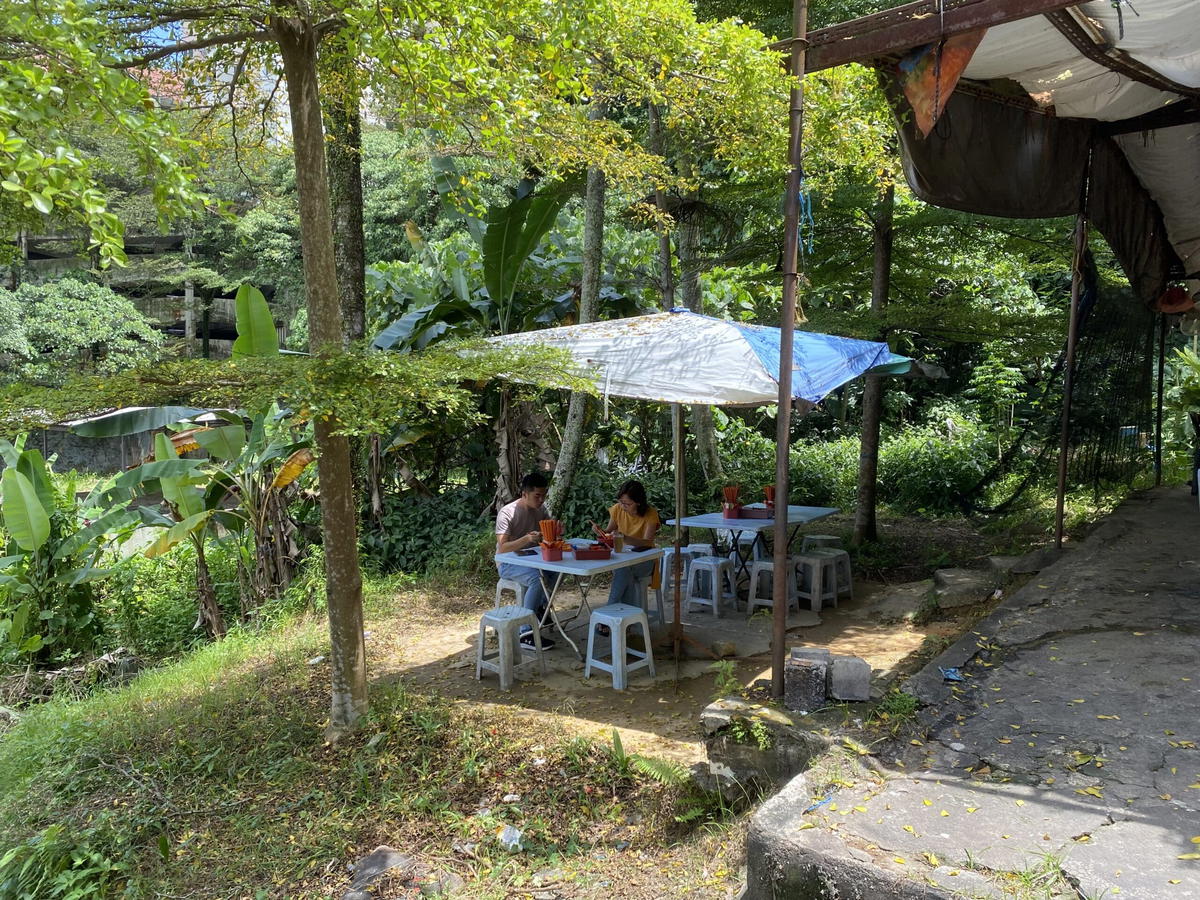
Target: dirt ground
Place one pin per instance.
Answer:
(427, 637)
(660, 716)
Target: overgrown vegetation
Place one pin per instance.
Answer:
(148, 787)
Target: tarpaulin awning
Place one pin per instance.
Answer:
(683, 357)
(1111, 82)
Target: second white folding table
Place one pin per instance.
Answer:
(796, 516)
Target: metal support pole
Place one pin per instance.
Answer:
(791, 275)
(1064, 442)
(677, 560)
(1158, 411)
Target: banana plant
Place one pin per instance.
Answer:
(241, 488)
(442, 303)
(51, 559)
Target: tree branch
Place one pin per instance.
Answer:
(188, 46)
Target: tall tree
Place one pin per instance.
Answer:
(872, 400)
(343, 115)
(589, 292)
(441, 67)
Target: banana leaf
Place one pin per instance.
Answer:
(255, 325)
(24, 516)
(224, 442)
(135, 420)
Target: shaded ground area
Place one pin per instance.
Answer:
(1066, 762)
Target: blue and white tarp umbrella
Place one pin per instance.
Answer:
(683, 357)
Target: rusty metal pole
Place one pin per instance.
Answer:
(791, 276)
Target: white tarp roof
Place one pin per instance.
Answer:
(684, 357)
(1163, 35)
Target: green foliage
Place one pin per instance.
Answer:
(223, 740)
(149, 604)
(421, 534)
(55, 864)
(726, 684)
(1186, 371)
(47, 575)
(750, 730)
(927, 468)
(361, 392)
(71, 326)
(894, 710)
(57, 73)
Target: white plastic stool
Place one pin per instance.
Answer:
(618, 617)
(720, 574)
(509, 584)
(812, 541)
(825, 574)
(506, 621)
(766, 567)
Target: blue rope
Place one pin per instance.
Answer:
(806, 220)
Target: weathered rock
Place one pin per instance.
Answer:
(804, 684)
(962, 587)
(1026, 564)
(752, 745)
(724, 649)
(849, 678)
(372, 867)
(442, 883)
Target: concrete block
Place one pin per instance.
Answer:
(849, 678)
(962, 587)
(820, 654)
(804, 684)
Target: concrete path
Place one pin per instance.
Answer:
(1070, 749)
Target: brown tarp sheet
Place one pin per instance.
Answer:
(995, 158)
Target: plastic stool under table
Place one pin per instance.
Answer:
(720, 572)
(507, 622)
(762, 567)
(510, 584)
(812, 541)
(618, 617)
(825, 574)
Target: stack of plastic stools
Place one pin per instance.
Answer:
(823, 574)
(507, 622)
(761, 567)
(720, 574)
(509, 584)
(618, 617)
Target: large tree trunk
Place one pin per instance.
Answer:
(865, 528)
(343, 580)
(688, 248)
(343, 155)
(589, 292)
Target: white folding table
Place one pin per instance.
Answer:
(796, 516)
(582, 569)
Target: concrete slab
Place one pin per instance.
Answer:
(1072, 742)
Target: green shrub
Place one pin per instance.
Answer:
(52, 864)
(927, 468)
(417, 533)
(149, 605)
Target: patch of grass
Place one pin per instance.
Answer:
(895, 710)
(209, 777)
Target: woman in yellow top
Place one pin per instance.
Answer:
(638, 522)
